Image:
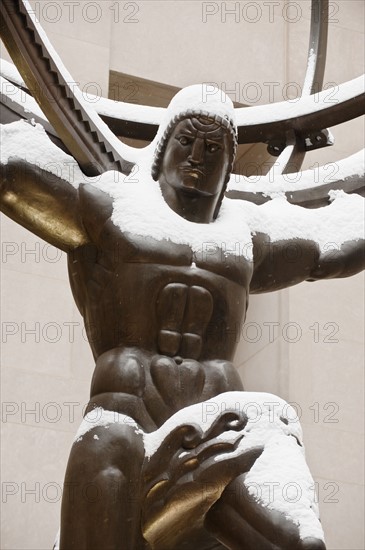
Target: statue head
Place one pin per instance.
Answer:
(195, 153)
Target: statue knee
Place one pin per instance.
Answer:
(113, 483)
(124, 443)
(110, 476)
(112, 458)
(109, 451)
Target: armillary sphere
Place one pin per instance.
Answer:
(88, 132)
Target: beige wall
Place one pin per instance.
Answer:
(49, 370)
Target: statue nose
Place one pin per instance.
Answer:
(197, 152)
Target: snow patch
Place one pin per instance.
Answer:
(274, 182)
(100, 417)
(309, 77)
(9, 71)
(16, 95)
(280, 478)
(306, 104)
(140, 209)
(341, 221)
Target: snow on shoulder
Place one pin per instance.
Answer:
(329, 226)
(139, 206)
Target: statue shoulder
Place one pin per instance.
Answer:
(96, 208)
(91, 197)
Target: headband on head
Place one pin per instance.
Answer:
(223, 122)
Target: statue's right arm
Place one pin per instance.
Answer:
(43, 203)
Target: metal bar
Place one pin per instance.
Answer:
(313, 83)
(315, 197)
(263, 129)
(42, 74)
(303, 120)
(291, 159)
(317, 50)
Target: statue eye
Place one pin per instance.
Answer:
(213, 147)
(184, 140)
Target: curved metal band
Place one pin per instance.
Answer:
(309, 114)
(292, 156)
(261, 126)
(317, 51)
(92, 149)
(43, 75)
(315, 197)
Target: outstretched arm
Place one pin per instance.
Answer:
(342, 261)
(43, 203)
(288, 262)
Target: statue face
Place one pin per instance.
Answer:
(196, 158)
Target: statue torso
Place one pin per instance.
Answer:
(157, 297)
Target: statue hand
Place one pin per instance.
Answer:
(187, 475)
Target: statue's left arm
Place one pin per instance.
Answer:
(286, 263)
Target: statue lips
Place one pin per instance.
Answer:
(193, 178)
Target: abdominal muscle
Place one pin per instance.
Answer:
(150, 387)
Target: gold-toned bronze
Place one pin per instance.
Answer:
(46, 206)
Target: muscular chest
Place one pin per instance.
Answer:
(118, 249)
(216, 248)
(174, 298)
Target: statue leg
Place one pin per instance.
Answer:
(100, 505)
(238, 521)
(272, 506)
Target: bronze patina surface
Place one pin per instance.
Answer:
(181, 348)
(178, 354)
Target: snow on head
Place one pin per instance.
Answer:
(196, 98)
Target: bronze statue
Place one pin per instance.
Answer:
(161, 268)
(162, 315)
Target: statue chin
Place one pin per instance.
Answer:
(193, 181)
(191, 186)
